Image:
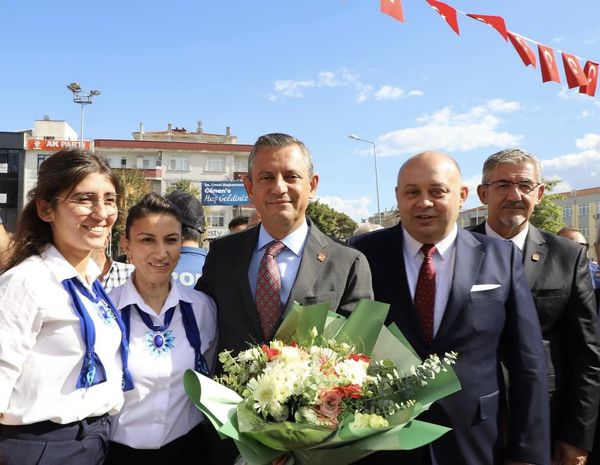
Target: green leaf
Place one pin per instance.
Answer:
(363, 325)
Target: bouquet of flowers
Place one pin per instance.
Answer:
(326, 389)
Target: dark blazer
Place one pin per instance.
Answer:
(329, 272)
(475, 324)
(559, 278)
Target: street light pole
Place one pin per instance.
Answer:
(82, 98)
(355, 137)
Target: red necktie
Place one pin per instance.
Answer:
(268, 285)
(425, 291)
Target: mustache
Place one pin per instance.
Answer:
(512, 205)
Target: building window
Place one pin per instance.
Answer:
(585, 232)
(123, 162)
(215, 220)
(584, 209)
(567, 212)
(179, 163)
(42, 157)
(215, 164)
(241, 164)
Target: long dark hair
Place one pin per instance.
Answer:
(61, 172)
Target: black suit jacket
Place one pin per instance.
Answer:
(476, 321)
(559, 278)
(329, 272)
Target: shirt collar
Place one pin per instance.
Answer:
(62, 269)
(293, 241)
(129, 296)
(443, 247)
(518, 240)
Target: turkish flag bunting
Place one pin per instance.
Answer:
(523, 49)
(573, 71)
(392, 8)
(591, 71)
(548, 64)
(447, 12)
(497, 22)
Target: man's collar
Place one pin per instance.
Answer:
(443, 247)
(518, 240)
(293, 241)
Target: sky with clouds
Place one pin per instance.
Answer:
(317, 69)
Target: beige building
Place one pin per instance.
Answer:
(165, 157)
(169, 156)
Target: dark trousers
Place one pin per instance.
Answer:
(190, 449)
(82, 442)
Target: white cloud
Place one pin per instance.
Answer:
(354, 208)
(578, 169)
(453, 132)
(589, 141)
(296, 88)
(584, 114)
(395, 93)
(558, 39)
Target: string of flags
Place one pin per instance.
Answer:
(585, 78)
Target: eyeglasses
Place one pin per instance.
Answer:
(85, 203)
(585, 244)
(504, 185)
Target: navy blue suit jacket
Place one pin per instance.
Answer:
(477, 325)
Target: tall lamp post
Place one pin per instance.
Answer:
(355, 137)
(83, 98)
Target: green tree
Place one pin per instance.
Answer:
(186, 186)
(548, 215)
(331, 222)
(133, 187)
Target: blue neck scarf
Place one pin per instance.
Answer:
(92, 370)
(189, 324)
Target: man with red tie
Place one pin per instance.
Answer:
(453, 290)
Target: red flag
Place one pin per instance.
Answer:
(497, 22)
(392, 8)
(548, 64)
(447, 12)
(522, 49)
(591, 71)
(573, 71)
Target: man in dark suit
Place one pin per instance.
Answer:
(481, 303)
(559, 280)
(314, 268)
(311, 268)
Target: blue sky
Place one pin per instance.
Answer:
(317, 69)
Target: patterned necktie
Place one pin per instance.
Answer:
(268, 286)
(425, 291)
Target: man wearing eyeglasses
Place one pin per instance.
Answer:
(557, 273)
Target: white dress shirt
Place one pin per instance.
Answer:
(288, 260)
(42, 348)
(518, 239)
(158, 410)
(444, 270)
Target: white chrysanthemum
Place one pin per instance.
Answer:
(355, 371)
(264, 391)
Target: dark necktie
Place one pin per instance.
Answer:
(425, 291)
(268, 287)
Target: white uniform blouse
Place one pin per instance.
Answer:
(42, 348)
(158, 411)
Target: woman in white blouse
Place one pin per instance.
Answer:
(62, 348)
(170, 328)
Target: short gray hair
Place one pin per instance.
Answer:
(277, 139)
(513, 157)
